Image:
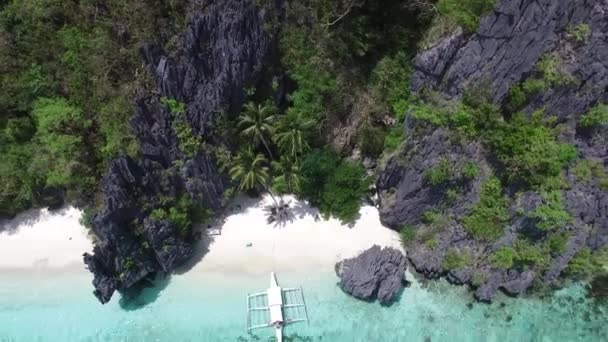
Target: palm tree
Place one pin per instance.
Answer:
(290, 133)
(288, 169)
(250, 172)
(256, 122)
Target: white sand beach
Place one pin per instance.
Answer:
(302, 244)
(42, 239)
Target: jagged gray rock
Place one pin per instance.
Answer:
(377, 273)
(224, 49)
(503, 52)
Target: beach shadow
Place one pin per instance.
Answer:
(28, 217)
(302, 209)
(144, 294)
(201, 248)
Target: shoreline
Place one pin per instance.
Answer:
(40, 239)
(302, 244)
(49, 241)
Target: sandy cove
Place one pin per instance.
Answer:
(42, 239)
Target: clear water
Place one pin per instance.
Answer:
(211, 307)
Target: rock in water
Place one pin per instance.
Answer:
(374, 274)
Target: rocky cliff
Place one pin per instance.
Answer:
(503, 53)
(223, 50)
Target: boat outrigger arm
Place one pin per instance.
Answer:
(276, 305)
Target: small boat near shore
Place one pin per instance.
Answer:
(276, 308)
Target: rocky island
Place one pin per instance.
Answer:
(479, 130)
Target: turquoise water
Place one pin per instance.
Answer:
(211, 307)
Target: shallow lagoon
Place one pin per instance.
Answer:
(59, 306)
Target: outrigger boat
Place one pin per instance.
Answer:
(275, 308)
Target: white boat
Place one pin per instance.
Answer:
(276, 308)
(275, 304)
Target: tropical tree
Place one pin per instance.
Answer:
(250, 171)
(256, 122)
(288, 170)
(290, 133)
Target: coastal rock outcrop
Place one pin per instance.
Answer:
(503, 53)
(224, 49)
(377, 273)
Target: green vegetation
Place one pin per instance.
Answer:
(503, 258)
(597, 116)
(249, 170)
(390, 81)
(479, 279)
(550, 69)
(182, 213)
(529, 151)
(586, 169)
(578, 33)
(551, 215)
(287, 172)
(372, 141)
(529, 254)
(439, 173)
(557, 242)
(431, 243)
(432, 217)
(548, 74)
(407, 234)
(487, 219)
(343, 192)
(291, 134)
(455, 259)
(189, 142)
(67, 75)
(257, 123)
(465, 12)
(335, 187)
(470, 170)
(582, 264)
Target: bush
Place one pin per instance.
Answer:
(390, 79)
(451, 195)
(317, 167)
(530, 151)
(581, 265)
(578, 33)
(470, 170)
(488, 217)
(503, 258)
(431, 243)
(182, 213)
(454, 260)
(439, 173)
(394, 138)
(429, 113)
(407, 234)
(189, 142)
(335, 187)
(432, 217)
(372, 141)
(597, 116)
(552, 214)
(465, 12)
(557, 242)
(529, 254)
(583, 170)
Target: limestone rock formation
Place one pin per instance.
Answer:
(377, 273)
(224, 49)
(502, 53)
